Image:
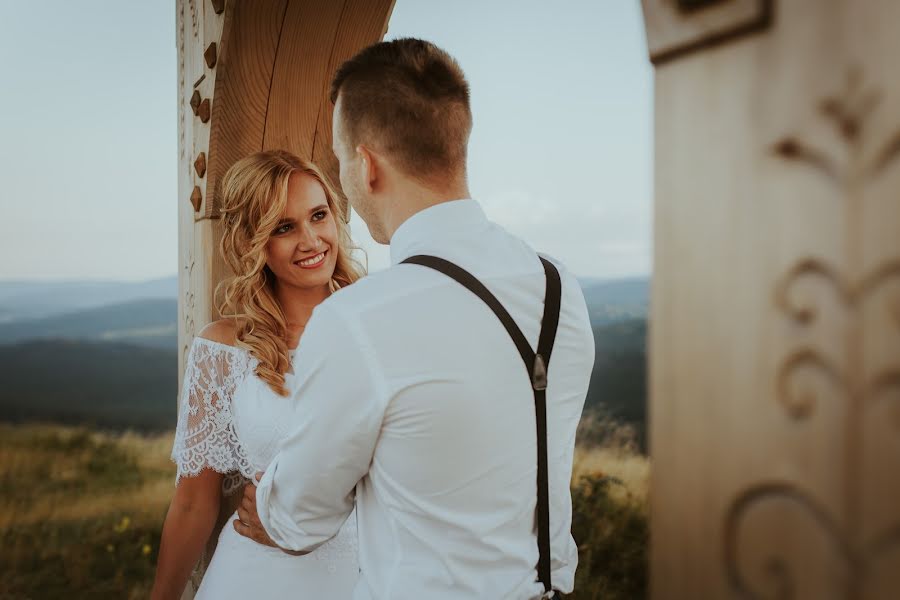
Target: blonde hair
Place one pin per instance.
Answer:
(254, 197)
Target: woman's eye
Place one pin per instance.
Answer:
(283, 229)
(320, 215)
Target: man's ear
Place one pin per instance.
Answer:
(368, 167)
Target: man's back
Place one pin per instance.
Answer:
(447, 506)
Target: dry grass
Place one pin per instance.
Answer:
(151, 498)
(610, 485)
(608, 448)
(81, 512)
(55, 473)
(632, 470)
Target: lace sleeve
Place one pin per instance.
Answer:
(205, 437)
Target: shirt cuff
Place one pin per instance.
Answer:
(281, 527)
(263, 494)
(263, 491)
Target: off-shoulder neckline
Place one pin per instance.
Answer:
(230, 347)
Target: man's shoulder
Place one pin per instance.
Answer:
(560, 266)
(566, 276)
(572, 292)
(383, 287)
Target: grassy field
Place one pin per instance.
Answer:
(81, 514)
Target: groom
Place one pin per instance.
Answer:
(411, 396)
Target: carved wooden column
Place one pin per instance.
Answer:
(775, 323)
(252, 75)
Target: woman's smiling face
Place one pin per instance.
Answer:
(302, 250)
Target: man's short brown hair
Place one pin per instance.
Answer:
(410, 100)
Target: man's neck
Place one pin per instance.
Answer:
(414, 200)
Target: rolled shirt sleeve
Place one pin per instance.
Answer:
(308, 489)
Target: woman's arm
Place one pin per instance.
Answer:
(205, 447)
(189, 523)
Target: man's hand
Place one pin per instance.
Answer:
(248, 524)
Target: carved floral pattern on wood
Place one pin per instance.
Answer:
(855, 288)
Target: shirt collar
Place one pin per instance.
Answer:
(433, 223)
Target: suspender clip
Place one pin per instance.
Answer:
(539, 373)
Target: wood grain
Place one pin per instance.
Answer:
(363, 22)
(301, 69)
(244, 70)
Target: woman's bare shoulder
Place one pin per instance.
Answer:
(223, 331)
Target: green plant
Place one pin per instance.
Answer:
(612, 533)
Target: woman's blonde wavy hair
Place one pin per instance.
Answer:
(254, 197)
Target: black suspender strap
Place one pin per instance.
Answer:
(536, 364)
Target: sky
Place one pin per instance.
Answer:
(560, 154)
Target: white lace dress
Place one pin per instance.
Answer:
(231, 421)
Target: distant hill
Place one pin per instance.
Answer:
(148, 322)
(616, 300)
(618, 312)
(36, 299)
(619, 380)
(103, 384)
(116, 365)
(118, 311)
(121, 386)
(630, 290)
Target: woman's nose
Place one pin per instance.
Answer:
(310, 241)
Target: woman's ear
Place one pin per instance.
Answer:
(368, 168)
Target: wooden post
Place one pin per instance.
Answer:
(775, 320)
(252, 75)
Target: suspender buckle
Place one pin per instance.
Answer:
(539, 373)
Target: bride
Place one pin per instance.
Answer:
(285, 240)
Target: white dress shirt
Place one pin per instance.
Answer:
(412, 399)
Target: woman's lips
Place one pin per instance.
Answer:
(321, 261)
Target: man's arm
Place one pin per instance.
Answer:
(307, 490)
(247, 524)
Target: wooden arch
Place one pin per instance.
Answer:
(252, 75)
